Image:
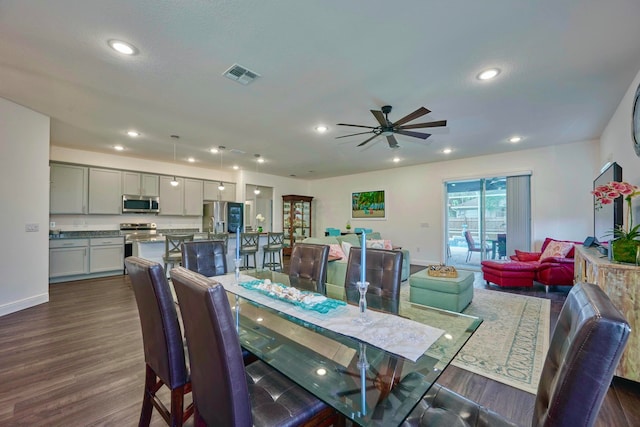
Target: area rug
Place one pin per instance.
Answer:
(511, 343)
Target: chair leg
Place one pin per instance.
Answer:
(177, 405)
(147, 400)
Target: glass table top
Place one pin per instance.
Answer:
(368, 385)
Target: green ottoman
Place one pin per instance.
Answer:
(453, 294)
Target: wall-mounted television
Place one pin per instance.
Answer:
(607, 217)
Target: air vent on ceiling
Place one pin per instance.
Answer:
(240, 74)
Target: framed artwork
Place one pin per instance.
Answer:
(368, 205)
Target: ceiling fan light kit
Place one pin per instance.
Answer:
(388, 129)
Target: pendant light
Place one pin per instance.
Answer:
(174, 182)
(257, 189)
(221, 186)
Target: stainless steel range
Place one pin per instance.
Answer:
(136, 232)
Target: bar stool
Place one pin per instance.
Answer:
(275, 243)
(220, 236)
(173, 249)
(249, 246)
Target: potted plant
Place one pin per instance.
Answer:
(260, 220)
(348, 227)
(626, 244)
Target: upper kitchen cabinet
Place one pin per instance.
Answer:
(212, 193)
(68, 189)
(183, 199)
(171, 198)
(140, 184)
(104, 191)
(193, 197)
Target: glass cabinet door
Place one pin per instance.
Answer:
(296, 219)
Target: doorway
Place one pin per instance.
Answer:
(476, 223)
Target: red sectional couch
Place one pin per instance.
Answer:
(526, 267)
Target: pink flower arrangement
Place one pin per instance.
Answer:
(606, 194)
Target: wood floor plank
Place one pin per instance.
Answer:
(78, 361)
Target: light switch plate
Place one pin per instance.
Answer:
(31, 227)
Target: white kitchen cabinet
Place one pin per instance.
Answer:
(183, 199)
(211, 191)
(68, 189)
(171, 198)
(106, 254)
(192, 197)
(69, 257)
(104, 191)
(141, 184)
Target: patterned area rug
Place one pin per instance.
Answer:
(512, 342)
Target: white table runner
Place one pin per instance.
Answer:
(395, 334)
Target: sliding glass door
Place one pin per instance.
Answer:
(487, 218)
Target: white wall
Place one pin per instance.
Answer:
(561, 182)
(24, 191)
(616, 144)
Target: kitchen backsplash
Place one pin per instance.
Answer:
(112, 222)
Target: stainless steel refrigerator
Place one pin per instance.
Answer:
(220, 217)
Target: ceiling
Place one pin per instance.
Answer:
(565, 66)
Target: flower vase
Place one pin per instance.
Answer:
(625, 250)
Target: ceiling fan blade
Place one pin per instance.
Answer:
(414, 134)
(353, 134)
(418, 113)
(362, 143)
(379, 115)
(424, 125)
(357, 126)
(393, 142)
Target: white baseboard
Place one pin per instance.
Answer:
(14, 306)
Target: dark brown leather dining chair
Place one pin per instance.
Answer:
(384, 274)
(162, 340)
(308, 267)
(585, 349)
(206, 257)
(226, 393)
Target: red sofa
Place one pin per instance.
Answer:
(524, 268)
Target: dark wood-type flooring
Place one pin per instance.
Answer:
(78, 361)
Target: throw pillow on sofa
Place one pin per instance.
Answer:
(379, 244)
(335, 250)
(556, 249)
(346, 247)
(527, 256)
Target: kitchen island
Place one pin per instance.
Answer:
(153, 249)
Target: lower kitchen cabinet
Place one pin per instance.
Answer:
(106, 255)
(77, 259)
(69, 257)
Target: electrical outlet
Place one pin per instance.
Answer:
(418, 249)
(52, 224)
(31, 227)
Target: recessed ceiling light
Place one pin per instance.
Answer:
(191, 159)
(123, 47)
(133, 133)
(118, 147)
(213, 150)
(236, 167)
(260, 160)
(447, 151)
(515, 139)
(489, 74)
(396, 159)
(321, 128)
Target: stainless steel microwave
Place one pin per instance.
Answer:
(140, 204)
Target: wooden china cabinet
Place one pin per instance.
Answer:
(296, 219)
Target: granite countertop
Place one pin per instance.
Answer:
(84, 234)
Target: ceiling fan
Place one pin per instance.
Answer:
(388, 129)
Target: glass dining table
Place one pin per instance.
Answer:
(364, 383)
